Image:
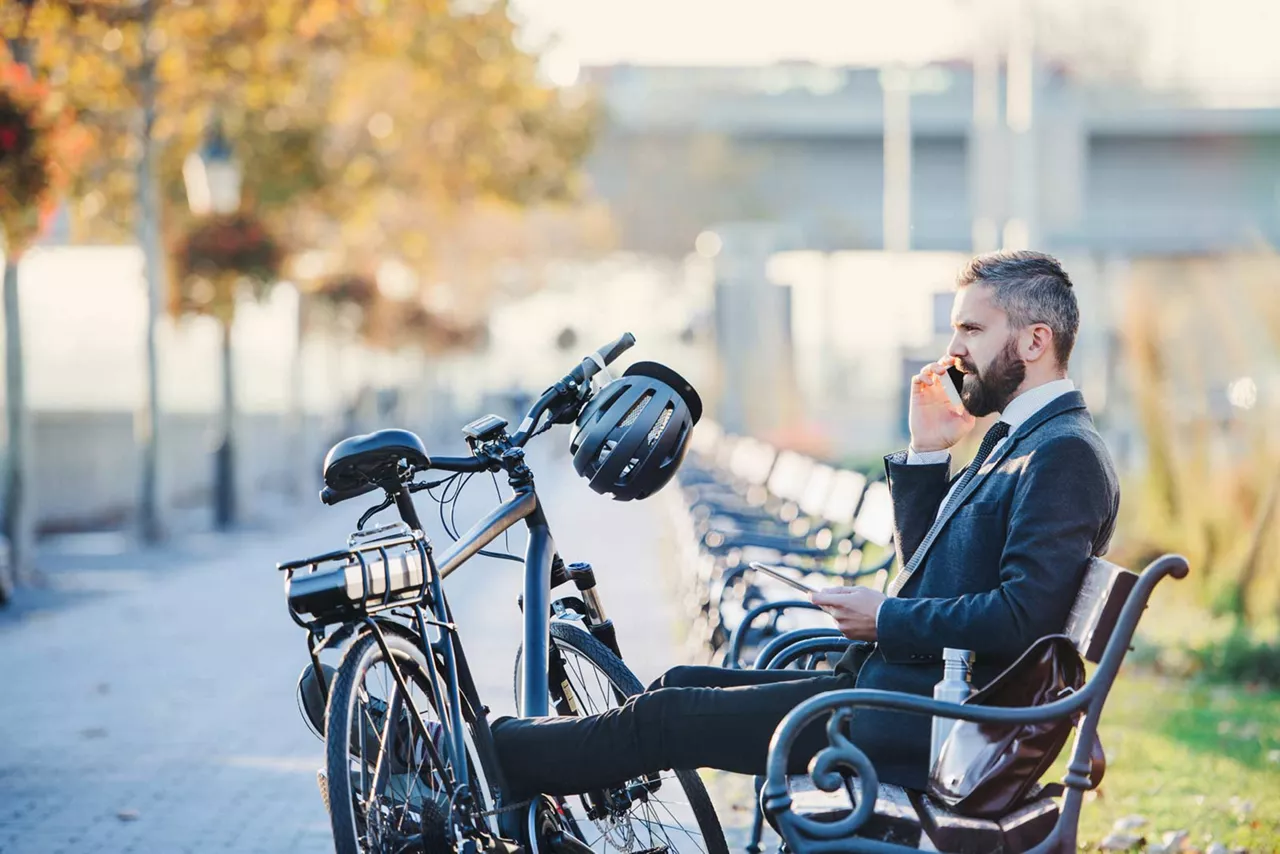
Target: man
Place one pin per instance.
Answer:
(1004, 545)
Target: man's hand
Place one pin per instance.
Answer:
(853, 608)
(935, 423)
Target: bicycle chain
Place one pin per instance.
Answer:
(512, 808)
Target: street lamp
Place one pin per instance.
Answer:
(212, 175)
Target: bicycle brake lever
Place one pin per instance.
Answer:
(369, 514)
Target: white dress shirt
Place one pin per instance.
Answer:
(1015, 415)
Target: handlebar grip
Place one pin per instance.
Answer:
(612, 351)
(596, 361)
(331, 496)
(459, 464)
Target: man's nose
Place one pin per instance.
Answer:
(956, 349)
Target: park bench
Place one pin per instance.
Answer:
(741, 499)
(843, 808)
(868, 517)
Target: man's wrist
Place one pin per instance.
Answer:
(916, 457)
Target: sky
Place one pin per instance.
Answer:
(1220, 45)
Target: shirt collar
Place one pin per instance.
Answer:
(1033, 400)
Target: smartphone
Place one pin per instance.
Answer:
(953, 387)
(776, 572)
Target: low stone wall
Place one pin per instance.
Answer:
(85, 473)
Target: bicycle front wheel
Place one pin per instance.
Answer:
(667, 811)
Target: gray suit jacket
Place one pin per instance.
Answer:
(1003, 571)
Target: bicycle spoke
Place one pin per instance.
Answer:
(653, 823)
(680, 826)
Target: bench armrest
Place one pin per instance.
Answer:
(718, 542)
(787, 647)
(842, 759)
(733, 658)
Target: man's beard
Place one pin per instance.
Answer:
(991, 390)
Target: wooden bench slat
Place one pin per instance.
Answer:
(1097, 606)
(958, 834)
(1029, 826)
(895, 819)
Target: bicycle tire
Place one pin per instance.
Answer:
(578, 641)
(7, 582)
(359, 659)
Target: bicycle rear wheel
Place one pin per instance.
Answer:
(412, 809)
(667, 811)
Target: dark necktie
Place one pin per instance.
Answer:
(994, 434)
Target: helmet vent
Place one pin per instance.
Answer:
(634, 412)
(663, 419)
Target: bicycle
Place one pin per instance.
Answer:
(410, 760)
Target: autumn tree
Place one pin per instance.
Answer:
(146, 77)
(364, 126)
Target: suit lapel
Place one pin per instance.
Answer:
(1065, 403)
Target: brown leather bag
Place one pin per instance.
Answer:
(987, 770)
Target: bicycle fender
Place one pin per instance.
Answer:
(352, 632)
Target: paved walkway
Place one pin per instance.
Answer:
(147, 701)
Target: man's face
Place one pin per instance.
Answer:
(986, 349)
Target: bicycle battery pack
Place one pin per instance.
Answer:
(363, 579)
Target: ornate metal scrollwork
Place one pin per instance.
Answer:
(834, 767)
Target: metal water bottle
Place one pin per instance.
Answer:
(955, 687)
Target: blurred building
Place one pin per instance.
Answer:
(1101, 176)
(1117, 169)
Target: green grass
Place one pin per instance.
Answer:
(1205, 759)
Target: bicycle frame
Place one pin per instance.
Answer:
(538, 557)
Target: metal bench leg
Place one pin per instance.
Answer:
(757, 821)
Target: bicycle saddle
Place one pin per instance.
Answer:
(373, 458)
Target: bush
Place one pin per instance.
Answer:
(1239, 656)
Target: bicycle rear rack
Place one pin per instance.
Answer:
(392, 570)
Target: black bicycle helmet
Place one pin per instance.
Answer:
(630, 438)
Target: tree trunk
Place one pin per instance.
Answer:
(298, 457)
(224, 479)
(150, 511)
(17, 517)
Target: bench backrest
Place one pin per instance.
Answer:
(875, 515)
(705, 438)
(817, 490)
(842, 500)
(789, 476)
(1097, 607)
(752, 461)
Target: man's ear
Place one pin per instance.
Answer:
(1036, 341)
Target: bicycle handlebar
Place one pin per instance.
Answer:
(463, 465)
(580, 375)
(595, 363)
(331, 496)
(577, 377)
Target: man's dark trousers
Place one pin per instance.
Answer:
(692, 717)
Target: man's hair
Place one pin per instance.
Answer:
(1030, 287)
